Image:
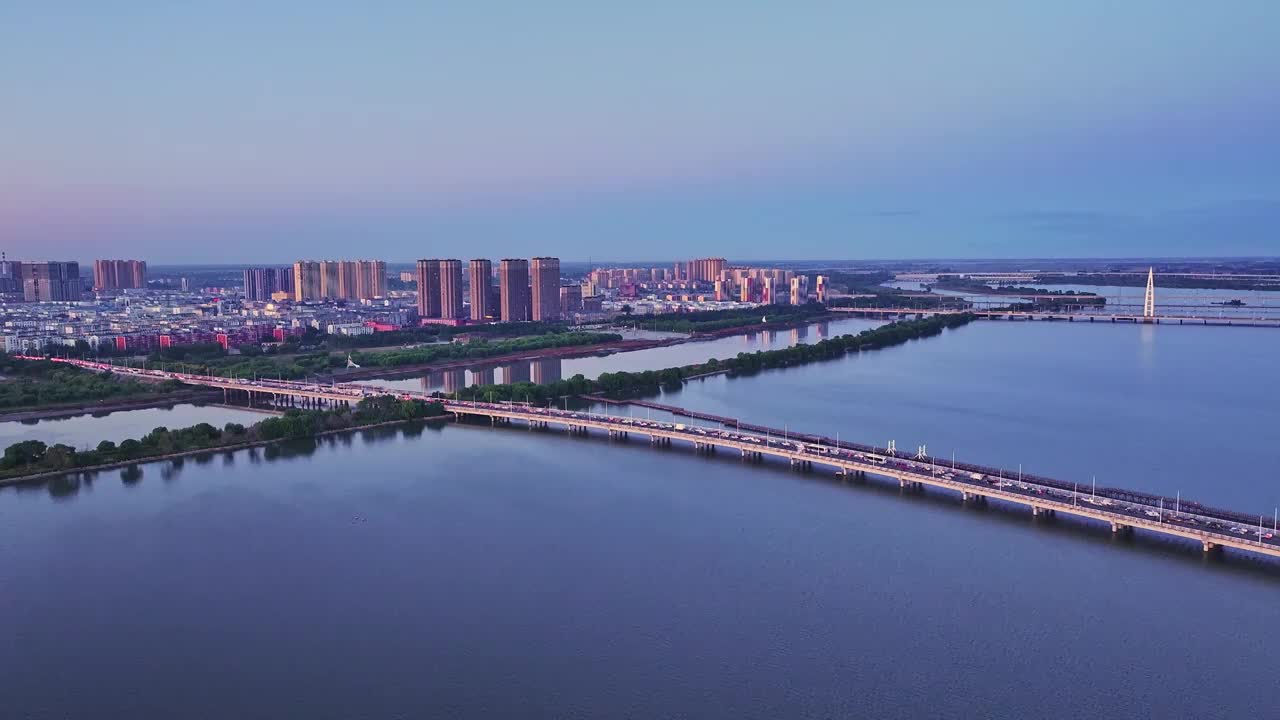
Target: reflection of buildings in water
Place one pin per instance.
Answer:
(546, 370)
(482, 376)
(454, 380)
(515, 372)
(798, 334)
(432, 381)
(771, 337)
(824, 330)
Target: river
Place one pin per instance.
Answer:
(475, 572)
(543, 370)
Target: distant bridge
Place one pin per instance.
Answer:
(1253, 310)
(1125, 510)
(1065, 315)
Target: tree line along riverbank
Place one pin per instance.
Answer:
(650, 382)
(29, 384)
(23, 460)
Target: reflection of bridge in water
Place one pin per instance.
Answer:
(537, 370)
(1123, 509)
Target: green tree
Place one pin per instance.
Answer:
(130, 449)
(26, 452)
(60, 457)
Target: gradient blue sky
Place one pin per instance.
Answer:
(260, 132)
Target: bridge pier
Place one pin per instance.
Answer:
(1210, 546)
(1117, 528)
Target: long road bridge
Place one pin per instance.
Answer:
(1124, 510)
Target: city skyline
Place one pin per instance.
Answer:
(853, 130)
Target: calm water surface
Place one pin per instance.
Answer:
(476, 572)
(1161, 408)
(86, 431)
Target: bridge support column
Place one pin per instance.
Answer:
(1209, 546)
(1117, 527)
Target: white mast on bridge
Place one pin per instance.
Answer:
(1149, 302)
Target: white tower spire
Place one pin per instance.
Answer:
(1149, 302)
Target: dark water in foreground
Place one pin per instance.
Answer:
(472, 572)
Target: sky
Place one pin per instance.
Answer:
(265, 132)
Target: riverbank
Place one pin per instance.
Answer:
(600, 350)
(43, 476)
(63, 410)
(31, 459)
(631, 384)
